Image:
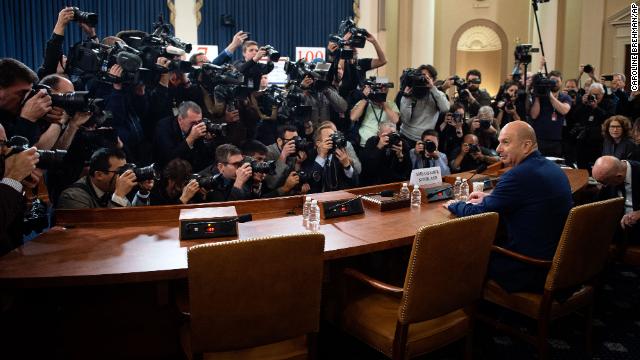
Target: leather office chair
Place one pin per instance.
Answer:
(255, 299)
(444, 278)
(580, 256)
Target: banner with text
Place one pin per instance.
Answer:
(309, 53)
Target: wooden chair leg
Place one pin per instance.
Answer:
(589, 331)
(400, 341)
(543, 334)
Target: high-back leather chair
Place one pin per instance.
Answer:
(255, 299)
(444, 278)
(580, 256)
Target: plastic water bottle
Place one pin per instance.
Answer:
(404, 192)
(305, 211)
(456, 188)
(314, 216)
(416, 197)
(464, 191)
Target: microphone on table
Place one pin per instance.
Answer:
(477, 171)
(384, 193)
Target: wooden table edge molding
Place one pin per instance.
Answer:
(99, 247)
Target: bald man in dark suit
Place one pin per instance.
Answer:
(533, 200)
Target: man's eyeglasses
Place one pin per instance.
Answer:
(236, 164)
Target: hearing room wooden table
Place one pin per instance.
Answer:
(129, 245)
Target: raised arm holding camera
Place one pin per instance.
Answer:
(548, 112)
(369, 112)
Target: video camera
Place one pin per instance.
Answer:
(378, 92)
(84, 17)
(90, 58)
(542, 85)
(48, 158)
(272, 53)
(293, 108)
(141, 173)
(522, 53)
(414, 79)
(358, 35)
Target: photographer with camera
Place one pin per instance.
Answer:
(255, 154)
(289, 152)
(54, 60)
(508, 107)
(17, 116)
(425, 154)
(485, 127)
(385, 157)
(176, 186)
(354, 69)
(548, 112)
(471, 155)
(250, 65)
(18, 172)
(185, 136)
(472, 97)
(452, 128)
(619, 94)
(322, 100)
(329, 165)
(107, 185)
(225, 181)
(421, 103)
(367, 114)
(585, 124)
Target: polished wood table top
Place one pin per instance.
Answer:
(100, 246)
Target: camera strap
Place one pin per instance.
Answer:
(373, 109)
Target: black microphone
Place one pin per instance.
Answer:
(383, 193)
(477, 171)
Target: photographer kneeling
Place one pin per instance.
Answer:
(385, 157)
(109, 182)
(329, 166)
(225, 181)
(426, 154)
(176, 186)
(470, 155)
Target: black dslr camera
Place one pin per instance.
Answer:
(378, 92)
(264, 167)
(339, 141)
(414, 79)
(430, 146)
(84, 17)
(142, 173)
(216, 129)
(302, 144)
(48, 158)
(394, 139)
(36, 218)
(473, 148)
(209, 182)
(272, 53)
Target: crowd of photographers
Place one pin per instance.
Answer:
(129, 121)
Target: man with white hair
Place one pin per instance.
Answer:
(586, 124)
(385, 157)
(621, 178)
(533, 200)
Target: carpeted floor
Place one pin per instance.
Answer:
(616, 330)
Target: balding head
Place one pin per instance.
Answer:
(470, 139)
(517, 141)
(609, 170)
